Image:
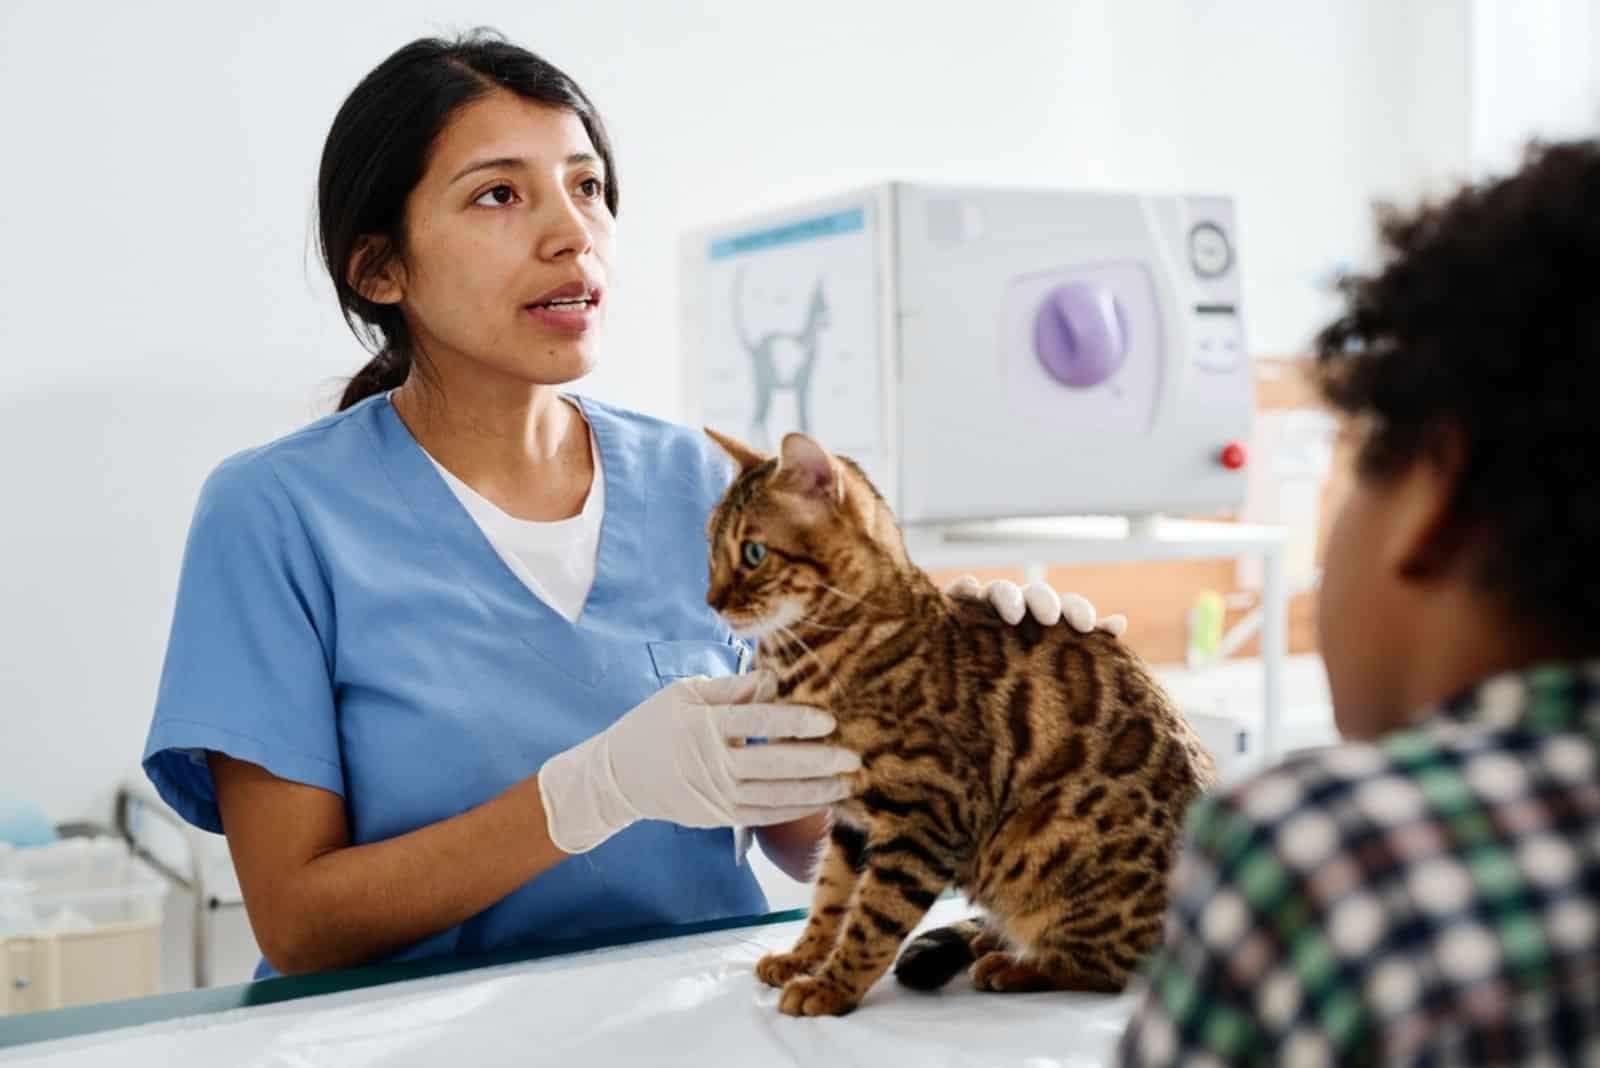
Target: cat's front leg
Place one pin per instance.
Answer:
(891, 898)
(842, 862)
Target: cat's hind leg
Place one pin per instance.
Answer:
(842, 862)
(1000, 972)
(937, 956)
(1081, 940)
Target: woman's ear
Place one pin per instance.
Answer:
(375, 272)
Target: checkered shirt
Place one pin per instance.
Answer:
(1430, 898)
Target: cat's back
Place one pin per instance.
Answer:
(1086, 671)
(1074, 704)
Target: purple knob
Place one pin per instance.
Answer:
(1079, 334)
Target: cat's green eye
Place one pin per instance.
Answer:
(753, 552)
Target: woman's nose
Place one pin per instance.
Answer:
(564, 232)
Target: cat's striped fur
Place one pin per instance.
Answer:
(1040, 771)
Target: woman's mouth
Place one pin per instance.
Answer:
(569, 312)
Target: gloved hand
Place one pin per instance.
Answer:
(1041, 601)
(671, 759)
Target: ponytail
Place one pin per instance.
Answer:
(387, 370)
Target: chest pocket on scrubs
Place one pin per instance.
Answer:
(685, 659)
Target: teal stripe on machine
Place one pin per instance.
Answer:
(840, 222)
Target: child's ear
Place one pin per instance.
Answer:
(1425, 535)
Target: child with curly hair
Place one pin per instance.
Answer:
(1427, 891)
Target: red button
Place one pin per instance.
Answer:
(1233, 455)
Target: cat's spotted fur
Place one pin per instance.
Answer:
(1040, 771)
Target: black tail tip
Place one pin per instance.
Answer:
(931, 960)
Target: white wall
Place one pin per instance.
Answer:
(1535, 69)
(158, 308)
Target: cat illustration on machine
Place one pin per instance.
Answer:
(783, 362)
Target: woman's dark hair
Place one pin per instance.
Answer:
(376, 153)
(1484, 324)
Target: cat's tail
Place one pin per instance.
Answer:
(935, 957)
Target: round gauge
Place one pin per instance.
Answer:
(1209, 251)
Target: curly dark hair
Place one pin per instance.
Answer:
(1484, 320)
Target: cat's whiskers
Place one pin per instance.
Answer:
(786, 643)
(810, 653)
(809, 622)
(778, 646)
(833, 683)
(837, 592)
(852, 598)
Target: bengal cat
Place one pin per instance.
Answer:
(1040, 771)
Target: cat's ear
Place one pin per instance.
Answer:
(742, 454)
(805, 467)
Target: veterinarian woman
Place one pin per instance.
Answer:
(429, 647)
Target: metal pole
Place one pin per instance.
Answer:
(1274, 648)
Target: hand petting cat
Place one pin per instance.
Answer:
(1041, 601)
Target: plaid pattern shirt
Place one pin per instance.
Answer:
(1431, 898)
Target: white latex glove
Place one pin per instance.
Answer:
(670, 759)
(1042, 602)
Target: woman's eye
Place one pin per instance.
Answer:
(499, 196)
(753, 552)
(592, 187)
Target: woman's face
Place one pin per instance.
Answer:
(508, 245)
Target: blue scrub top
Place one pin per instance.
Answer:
(342, 622)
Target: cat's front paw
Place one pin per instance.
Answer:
(811, 996)
(776, 969)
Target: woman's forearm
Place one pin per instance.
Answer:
(365, 901)
(794, 846)
(316, 907)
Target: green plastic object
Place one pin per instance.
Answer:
(1205, 625)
